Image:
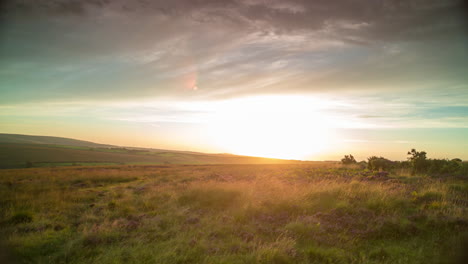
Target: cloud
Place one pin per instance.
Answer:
(385, 19)
(54, 50)
(357, 112)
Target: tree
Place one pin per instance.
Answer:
(348, 159)
(418, 161)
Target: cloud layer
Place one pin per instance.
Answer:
(114, 49)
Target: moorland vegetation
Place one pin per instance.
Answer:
(284, 213)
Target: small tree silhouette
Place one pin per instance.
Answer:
(348, 159)
(418, 161)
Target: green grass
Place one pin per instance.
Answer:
(229, 214)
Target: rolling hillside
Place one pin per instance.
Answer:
(27, 139)
(18, 151)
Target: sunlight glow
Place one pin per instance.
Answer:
(289, 127)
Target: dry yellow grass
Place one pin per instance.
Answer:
(229, 214)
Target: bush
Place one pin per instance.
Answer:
(435, 166)
(418, 161)
(380, 163)
(445, 166)
(463, 171)
(348, 159)
(452, 166)
(362, 164)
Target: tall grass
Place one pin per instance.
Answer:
(229, 214)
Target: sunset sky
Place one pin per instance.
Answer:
(298, 79)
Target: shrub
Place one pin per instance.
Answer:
(418, 161)
(445, 166)
(348, 159)
(435, 166)
(379, 163)
(452, 166)
(362, 164)
(463, 171)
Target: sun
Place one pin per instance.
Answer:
(287, 127)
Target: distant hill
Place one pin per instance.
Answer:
(19, 151)
(27, 139)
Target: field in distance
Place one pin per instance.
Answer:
(20, 151)
(289, 213)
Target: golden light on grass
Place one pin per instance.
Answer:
(288, 127)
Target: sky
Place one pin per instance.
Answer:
(298, 79)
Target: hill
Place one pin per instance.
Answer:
(28, 139)
(17, 151)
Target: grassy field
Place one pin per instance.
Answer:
(229, 214)
(14, 155)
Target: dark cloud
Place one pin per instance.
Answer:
(126, 48)
(354, 20)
